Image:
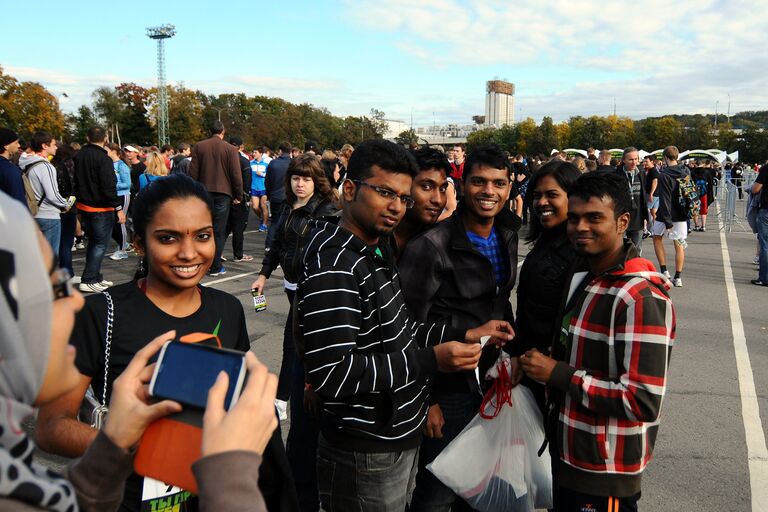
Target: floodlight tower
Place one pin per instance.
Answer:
(161, 33)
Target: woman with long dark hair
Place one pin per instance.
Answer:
(308, 195)
(545, 269)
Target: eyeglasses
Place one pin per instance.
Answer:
(387, 194)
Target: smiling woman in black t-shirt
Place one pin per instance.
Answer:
(174, 237)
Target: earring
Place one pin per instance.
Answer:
(141, 265)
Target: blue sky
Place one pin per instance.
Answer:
(429, 59)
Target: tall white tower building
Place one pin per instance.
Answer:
(499, 103)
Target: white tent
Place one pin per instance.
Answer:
(717, 155)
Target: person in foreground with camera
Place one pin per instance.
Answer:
(37, 367)
(174, 237)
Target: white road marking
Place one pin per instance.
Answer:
(230, 278)
(757, 453)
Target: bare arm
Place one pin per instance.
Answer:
(757, 187)
(58, 430)
(450, 204)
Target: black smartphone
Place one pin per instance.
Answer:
(186, 371)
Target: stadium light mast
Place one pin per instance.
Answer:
(160, 34)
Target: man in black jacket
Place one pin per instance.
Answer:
(461, 272)
(238, 212)
(274, 184)
(671, 218)
(365, 355)
(638, 216)
(97, 202)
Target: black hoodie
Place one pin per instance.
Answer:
(670, 210)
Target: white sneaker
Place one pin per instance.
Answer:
(678, 282)
(75, 280)
(106, 284)
(756, 261)
(119, 255)
(282, 409)
(667, 274)
(91, 287)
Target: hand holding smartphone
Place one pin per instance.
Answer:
(185, 373)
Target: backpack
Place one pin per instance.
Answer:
(32, 203)
(701, 187)
(689, 197)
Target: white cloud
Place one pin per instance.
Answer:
(683, 56)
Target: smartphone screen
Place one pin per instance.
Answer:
(186, 372)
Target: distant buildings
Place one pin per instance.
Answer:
(499, 103)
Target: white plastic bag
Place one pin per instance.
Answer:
(493, 464)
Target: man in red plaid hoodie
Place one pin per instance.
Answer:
(608, 372)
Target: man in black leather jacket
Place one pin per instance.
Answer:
(461, 272)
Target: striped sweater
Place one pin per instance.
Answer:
(366, 357)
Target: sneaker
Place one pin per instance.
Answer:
(74, 247)
(80, 245)
(758, 282)
(282, 409)
(119, 255)
(756, 261)
(220, 272)
(667, 274)
(105, 283)
(703, 229)
(678, 282)
(91, 287)
(223, 258)
(263, 228)
(75, 280)
(245, 257)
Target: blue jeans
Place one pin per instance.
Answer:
(358, 481)
(51, 229)
(430, 493)
(98, 228)
(221, 204)
(762, 238)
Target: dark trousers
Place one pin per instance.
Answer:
(98, 228)
(430, 493)
(289, 355)
(567, 500)
(120, 231)
(301, 445)
(274, 215)
(238, 220)
(221, 204)
(68, 225)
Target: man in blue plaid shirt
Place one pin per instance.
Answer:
(461, 272)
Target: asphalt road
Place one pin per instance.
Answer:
(701, 462)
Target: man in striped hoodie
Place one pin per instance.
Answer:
(364, 354)
(608, 372)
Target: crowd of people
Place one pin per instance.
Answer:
(396, 262)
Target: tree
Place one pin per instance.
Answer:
(481, 138)
(77, 125)
(407, 137)
(28, 107)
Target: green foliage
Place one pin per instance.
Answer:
(27, 107)
(407, 137)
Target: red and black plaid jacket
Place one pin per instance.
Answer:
(612, 376)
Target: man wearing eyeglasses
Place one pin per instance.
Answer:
(365, 355)
(461, 272)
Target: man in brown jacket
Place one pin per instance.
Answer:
(216, 165)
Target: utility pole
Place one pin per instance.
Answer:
(717, 105)
(160, 34)
(729, 110)
(614, 106)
